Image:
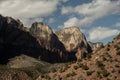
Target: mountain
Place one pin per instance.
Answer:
(40, 42)
(15, 40)
(74, 41)
(48, 40)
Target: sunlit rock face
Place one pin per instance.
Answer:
(74, 40)
(48, 39)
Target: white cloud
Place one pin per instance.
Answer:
(93, 11)
(65, 1)
(51, 20)
(101, 33)
(66, 10)
(117, 24)
(71, 22)
(28, 8)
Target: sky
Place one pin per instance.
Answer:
(99, 20)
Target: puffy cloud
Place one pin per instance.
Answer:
(101, 33)
(66, 10)
(27, 9)
(93, 11)
(71, 22)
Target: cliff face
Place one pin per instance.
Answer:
(48, 40)
(74, 40)
(40, 42)
(15, 40)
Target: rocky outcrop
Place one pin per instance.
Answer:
(96, 45)
(15, 40)
(74, 41)
(40, 42)
(48, 40)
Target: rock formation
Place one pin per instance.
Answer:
(74, 41)
(48, 40)
(96, 45)
(15, 40)
(40, 42)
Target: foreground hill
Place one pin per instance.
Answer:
(103, 64)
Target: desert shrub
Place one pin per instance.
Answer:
(118, 53)
(85, 67)
(63, 69)
(102, 46)
(53, 70)
(108, 55)
(105, 73)
(119, 71)
(71, 74)
(46, 77)
(117, 47)
(100, 64)
(117, 66)
(108, 44)
(88, 56)
(99, 75)
(79, 60)
(76, 67)
(108, 49)
(108, 79)
(104, 58)
(89, 73)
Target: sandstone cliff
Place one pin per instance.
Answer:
(74, 40)
(47, 39)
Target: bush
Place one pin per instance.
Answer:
(71, 74)
(46, 77)
(119, 71)
(100, 64)
(85, 67)
(108, 49)
(99, 75)
(118, 53)
(104, 59)
(117, 47)
(88, 56)
(105, 73)
(76, 67)
(89, 73)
